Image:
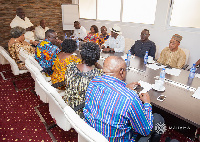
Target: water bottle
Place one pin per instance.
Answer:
(128, 59)
(77, 42)
(146, 58)
(65, 36)
(192, 71)
(162, 75)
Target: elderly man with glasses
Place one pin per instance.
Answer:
(46, 51)
(144, 44)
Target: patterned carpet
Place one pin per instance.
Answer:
(20, 122)
(18, 118)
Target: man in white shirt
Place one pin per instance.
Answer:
(116, 42)
(22, 21)
(79, 31)
(40, 31)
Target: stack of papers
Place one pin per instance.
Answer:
(154, 66)
(145, 85)
(173, 71)
(197, 93)
(197, 75)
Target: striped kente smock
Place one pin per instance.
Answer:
(116, 111)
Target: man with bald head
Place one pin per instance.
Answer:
(114, 109)
(46, 51)
(40, 30)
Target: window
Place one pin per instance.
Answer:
(139, 11)
(108, 10)
(185, 13)
(87, 9)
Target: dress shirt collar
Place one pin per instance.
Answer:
(113, 79)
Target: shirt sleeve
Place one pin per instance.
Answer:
(121, 45)
(161, 58)
(152, 50)
(141, 118)
(132, 50)
(181, 61)
(83, 33)
(106, 43)
(39, 34)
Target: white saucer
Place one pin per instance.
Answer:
(162, 89)
(151, 62)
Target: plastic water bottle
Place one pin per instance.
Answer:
(192, 71)
(65, 36)
(128, 58)
(77, 42)
(146, 58)
(162, 75)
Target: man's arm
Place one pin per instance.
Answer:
(132, 50)
(83, 33)
(121, 45)
(152, 50)
(141, 118)
(181, 60)
(161, 58)
(197, 63)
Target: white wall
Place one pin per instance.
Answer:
(160, 32)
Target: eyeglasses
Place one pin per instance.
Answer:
(55, 37)
(144, 34)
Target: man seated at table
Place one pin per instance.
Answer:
(40, 30)
(173, 56)
(116, 42)
(79, 31)
(46, 51)
(103, 36)
(115, 110)
(24, 22)
(141, 46)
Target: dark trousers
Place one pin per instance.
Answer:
(153, 136)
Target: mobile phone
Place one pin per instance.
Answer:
(161, 98)
(138, 89)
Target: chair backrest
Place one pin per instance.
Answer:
(85, 132)
(13, 65)
(31, 69)
(2, 59)
(23, 55)
(35, 63)
(128, 44)
(56, 104)
(187, 53)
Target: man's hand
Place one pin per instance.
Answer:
(59, 41)
(106, 50)
(30, 28)
(35, 43)
(144, 97)
(102, 47)
(132, 85)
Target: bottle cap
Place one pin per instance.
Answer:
(163, 68)
(194, 64)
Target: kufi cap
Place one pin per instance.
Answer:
(177, 37)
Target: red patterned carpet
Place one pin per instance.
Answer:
(18, 118)
(20, 122)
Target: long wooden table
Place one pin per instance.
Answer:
(179, 101)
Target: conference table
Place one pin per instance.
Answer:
(179, 101)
